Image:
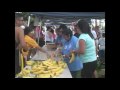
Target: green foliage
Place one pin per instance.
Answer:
(26, 15)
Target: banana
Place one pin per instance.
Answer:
(47, 63)
(29, 63)
(60, 61)
(26, 77)
(34, 67)
(38, 72)
(24, 72)
(57, 69)
(44, 76)
(52, 75)
(54, 62)
(45, 72)
(59, 72)
(72, 58)
(64, 65)
(52, 67)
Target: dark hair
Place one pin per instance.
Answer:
(67, 32)
(48, 28)
(27, 30)
(32, 26)
(62, 26)
(85, 28)
(18, 15)
(52, 31)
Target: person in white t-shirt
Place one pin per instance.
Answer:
(101, 52)
(95, 38)
(48, 35)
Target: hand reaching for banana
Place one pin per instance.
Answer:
(72, 54)
(72, 58)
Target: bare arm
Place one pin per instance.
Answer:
(22, 40)
(81, 50)
(41, 49)
(96, 47)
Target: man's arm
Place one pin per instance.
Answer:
(22, 40)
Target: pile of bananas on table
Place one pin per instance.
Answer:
(43, 69)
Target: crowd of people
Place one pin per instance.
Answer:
(84, 43)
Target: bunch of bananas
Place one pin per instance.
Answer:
(24, 73)
(44, 69)
(48, 69)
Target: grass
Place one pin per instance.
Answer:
(100, 70)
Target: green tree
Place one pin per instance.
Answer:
(26, 15)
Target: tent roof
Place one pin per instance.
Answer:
(68, 17)
(71, 14)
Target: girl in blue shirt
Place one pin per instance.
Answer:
(68, 45)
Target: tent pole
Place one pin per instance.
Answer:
(28, 21)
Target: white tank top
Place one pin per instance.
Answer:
(48, 37)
